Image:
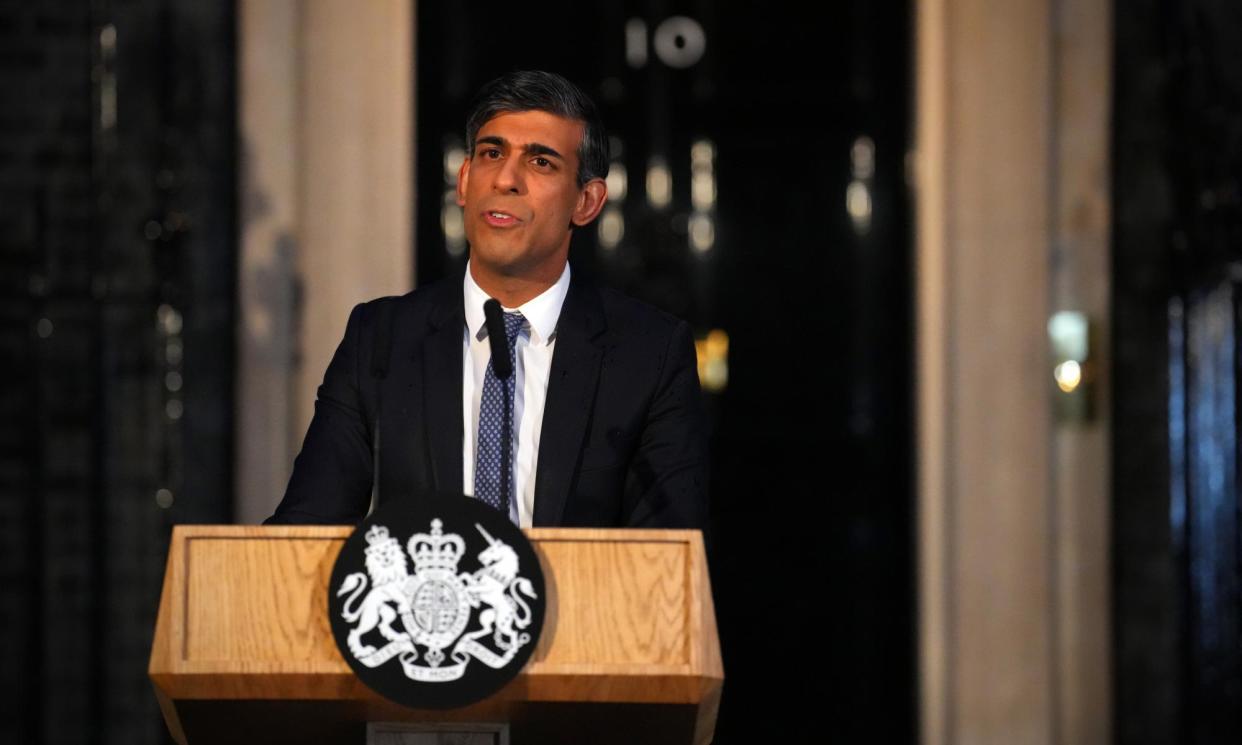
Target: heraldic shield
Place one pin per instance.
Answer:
(436, 602)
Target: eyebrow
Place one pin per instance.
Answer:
(533, 148)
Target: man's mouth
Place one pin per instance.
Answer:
(499, 219)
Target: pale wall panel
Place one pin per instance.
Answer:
(326, 119)
(356, 177)
(1010, 162)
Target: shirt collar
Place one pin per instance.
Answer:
(541, 311)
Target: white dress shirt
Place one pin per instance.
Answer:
(534, 362)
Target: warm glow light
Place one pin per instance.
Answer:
(713, 358)
(1068, 375)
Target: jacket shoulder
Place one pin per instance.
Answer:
(418, 304)
(628, 316)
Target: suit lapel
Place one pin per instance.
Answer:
(571, 394)
(442, 360)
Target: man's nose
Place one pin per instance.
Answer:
(509, 176)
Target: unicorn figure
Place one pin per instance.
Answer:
(497, 585)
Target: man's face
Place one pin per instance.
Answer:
(520, 193)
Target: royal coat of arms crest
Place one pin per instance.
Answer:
(436, 619)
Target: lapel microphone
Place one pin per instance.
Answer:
(498, 339)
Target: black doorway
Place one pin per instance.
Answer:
(797, 117)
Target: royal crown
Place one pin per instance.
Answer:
(436, 551)
(379, 541)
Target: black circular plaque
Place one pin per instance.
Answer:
(436, 602)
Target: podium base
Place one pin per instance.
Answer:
(431, 733)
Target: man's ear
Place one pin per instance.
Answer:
(463, 174)
(591, 200)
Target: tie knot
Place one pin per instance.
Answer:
(514, 322)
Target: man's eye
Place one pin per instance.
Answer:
(490, 152)
(542, 162)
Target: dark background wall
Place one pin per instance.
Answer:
(117, 257)
(1177, 245)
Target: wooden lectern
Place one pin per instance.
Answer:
(243, 651)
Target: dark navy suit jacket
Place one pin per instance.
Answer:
(623, 441)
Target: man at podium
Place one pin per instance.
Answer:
(514, 381)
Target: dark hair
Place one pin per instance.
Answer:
(535, 90)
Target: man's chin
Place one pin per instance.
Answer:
(499, 267)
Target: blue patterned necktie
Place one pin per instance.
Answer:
(493, 465)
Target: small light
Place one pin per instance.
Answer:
(174, 409)
(702, 233)
(617, 182)
(453, 225)
(1068, 375)
(451, 216)
(858, 204)
(152, 230)
(703, 191)
(44, 328)
(611, 228)
(862, 158)
(702, 152)
(453, 158)
(164, 498)
(702, 175)
(172, 381)
(659, 184)
(172, 352)
(169, 320)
